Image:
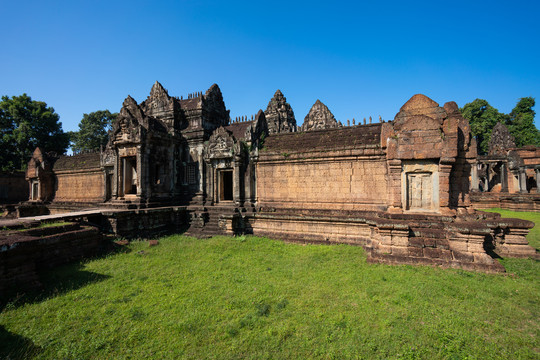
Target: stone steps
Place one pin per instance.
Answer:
(211, 226)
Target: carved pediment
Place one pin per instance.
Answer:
(108, 157)
(319, 117)
(221, 144)
(128, 126)
(501, 140)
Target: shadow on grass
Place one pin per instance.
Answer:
(53, 283)
(13, 346)
(60, 280)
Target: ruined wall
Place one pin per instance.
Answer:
(331, 169)
(24, 254)
(13, 188)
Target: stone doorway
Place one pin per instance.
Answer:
(419, 191)
(128, 175)
(225, 185)
(35, 190)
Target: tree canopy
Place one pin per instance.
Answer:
(93, 131)
(26, 124)
(520, 122)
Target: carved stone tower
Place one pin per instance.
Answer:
(279, 115)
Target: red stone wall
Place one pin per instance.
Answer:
(332, 180)
(80, 186)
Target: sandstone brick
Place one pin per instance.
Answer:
(462, 256)
(432, 252)
(415, 251)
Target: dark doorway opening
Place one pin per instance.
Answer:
(108, 186)
(226, 185)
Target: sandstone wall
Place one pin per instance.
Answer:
(79, 186)
(342, 168)
(330, 183)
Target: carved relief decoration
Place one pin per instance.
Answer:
(501, 140)
(221, 145)
(319, 117)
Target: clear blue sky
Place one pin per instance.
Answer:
(360, 59)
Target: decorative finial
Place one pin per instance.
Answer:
(364, 121)
(370, 119)
(353, 122)
(348, 122)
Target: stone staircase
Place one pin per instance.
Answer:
(205, 220)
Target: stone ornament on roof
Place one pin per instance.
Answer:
(319, 117)
(501, 140)
(279, 115)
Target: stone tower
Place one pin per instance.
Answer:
(279, 115)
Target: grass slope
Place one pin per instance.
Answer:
(250, 297)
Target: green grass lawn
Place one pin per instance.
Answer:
(250, 297)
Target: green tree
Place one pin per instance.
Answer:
(521, 123)
(25, 125)
(482, 118)
(93, 130)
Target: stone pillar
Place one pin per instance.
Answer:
(522, 181)
(474, 177)
(210, 194)
(537, 173)
(488, 176)
(504, 178)
(201, 172)
(236, 182)
(445, 168)
(123, 184)
(394, 183)
(248, 183)
(115, 186)
(141, 179)
(486, 182)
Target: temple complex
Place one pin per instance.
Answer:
(507, 177)
(399, 188)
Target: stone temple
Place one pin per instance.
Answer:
(399, 188)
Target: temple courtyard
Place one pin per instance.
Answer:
(245, 296)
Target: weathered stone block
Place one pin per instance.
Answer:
(432, 252)
(462, 256)
(400, 251)
(415, 251)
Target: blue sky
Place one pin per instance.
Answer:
(360, 59)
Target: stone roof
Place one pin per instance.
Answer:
(239, 129)
(78, 162)
(190, 104)
(328, 139)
